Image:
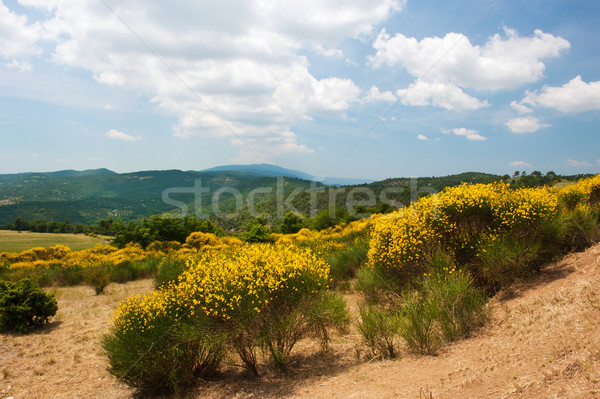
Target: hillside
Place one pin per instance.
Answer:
(543, 341)
(86, 197)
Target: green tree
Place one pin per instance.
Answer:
(256, 232)
(291, 224)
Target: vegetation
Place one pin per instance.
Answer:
(24, 307)
(425, 272)
(13, 241)
(256, 297)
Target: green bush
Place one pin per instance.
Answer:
(24, 306)
(371, 283)
(418, 326)
(97, 277)
(379, 330)
(458, 303)
(583, 229)
(169, 270)
(169, 357)
(506, 259)
(345, 264)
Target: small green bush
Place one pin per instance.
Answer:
(97, 277)
(371, 283)
(458, 303)
(24, 306)
(583, 229)
(169, 270)
(418, 325)
(506, 259)
(169, 357)
(346, 263)
(379, 330)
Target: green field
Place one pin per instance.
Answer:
(15, 241)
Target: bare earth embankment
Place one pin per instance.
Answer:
(543, 342)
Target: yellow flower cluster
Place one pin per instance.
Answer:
(61, 257)
(225, 284)
(456, 220)
(586, 192)
(354, 228)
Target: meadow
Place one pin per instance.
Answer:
(17, 241)
(413, 282)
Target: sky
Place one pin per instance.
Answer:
(346, 88)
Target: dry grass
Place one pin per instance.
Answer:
(15, 241)
(543, 342)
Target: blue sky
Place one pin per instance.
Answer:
(347, 88)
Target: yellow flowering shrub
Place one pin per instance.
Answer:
(245, 293)
(457, 221)
(586, 191)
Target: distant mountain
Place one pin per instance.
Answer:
(274, 171)
(262, 169)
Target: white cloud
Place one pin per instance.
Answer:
(117, 135)
(526, 124)
(442, 95)
(423, 137)
(521, 108)
(453, 63)
(375, 95)
(578, 164)
(519, 164)
(470, 134)
(242, 59)
(574, 96)
(18, 39)
(502, 63)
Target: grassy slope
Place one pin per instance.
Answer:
(14, 241)
(543, 341)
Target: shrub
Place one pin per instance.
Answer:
(168, 357)
(506, 259)
(344, 264)
(169, 270)
(379, 329)
(418, 325)
(458, 303)
(457, 221)
(24, 306)
(97, 277)
(376, 286)
(583, 229)
(256, 296)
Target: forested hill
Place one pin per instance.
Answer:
(89, 196)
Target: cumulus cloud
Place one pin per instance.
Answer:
(442, 95)
(375, 95)
(526, 124)
(234, 69)
(503, 62)
(519, 164)
(117, 135)
(18, 39)
(521, 108)
(469, 134)
(578, 164)
(423, 137)
(574, 96)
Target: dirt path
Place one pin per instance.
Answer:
(543, 342)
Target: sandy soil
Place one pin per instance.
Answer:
(543, 342)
